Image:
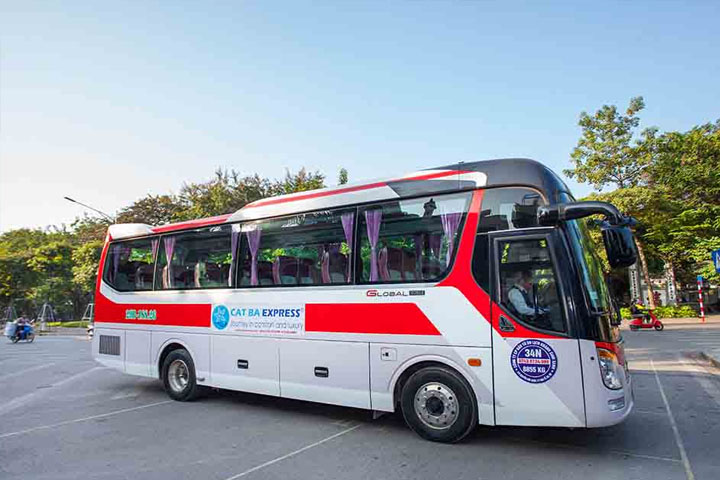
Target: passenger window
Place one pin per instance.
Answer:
(410, 240)
(508, 209)
(200, 258)
(130, 265)
(528, 284)
(307, 249)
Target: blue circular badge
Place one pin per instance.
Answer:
(534, 361)
(220, 317)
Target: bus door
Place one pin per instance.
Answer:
(536, 357)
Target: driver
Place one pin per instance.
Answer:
(520, 298)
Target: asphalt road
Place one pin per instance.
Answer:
(65, 417)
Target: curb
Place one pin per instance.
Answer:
(711, 359)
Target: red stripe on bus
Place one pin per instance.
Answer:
(462, 278)
(202, 222)
(275, 201)
(380, 318)
(178, 315)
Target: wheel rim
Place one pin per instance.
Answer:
(436, 405)
(178, 375)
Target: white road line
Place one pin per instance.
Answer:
(23, 372)
(24, 399)
(587, 449)
(84, 419)
(292, 454)
(678, 439)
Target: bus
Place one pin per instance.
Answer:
(461, 295)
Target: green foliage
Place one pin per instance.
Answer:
(670, 182)
(343, 176)
(681, 311)
(608, 151)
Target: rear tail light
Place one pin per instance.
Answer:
(610, 369)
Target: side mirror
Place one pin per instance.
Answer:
(619, 245)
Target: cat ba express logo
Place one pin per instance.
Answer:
(220, 317)
(534, 361)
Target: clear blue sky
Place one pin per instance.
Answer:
(109, 101)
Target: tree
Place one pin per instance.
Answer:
(153, 210)
(299, 182)
(343, 176)
(687, 171)
(609, 153)
(86, 258)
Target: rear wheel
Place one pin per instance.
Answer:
(15, 339)
(659, 326)
(179, 376)
(439, 405)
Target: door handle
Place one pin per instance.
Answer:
(322, 372)
(505, 324)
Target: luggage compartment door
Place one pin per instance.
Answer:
(325, 372)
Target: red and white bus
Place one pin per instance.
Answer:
(461, 295)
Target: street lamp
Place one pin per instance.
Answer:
(91, 208)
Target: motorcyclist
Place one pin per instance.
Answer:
(638, 310)
(22, 324)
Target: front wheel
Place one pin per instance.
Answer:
(31, 337)
(659, 326)
(439, 405)
(179, 376)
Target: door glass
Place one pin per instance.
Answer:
(528, 284)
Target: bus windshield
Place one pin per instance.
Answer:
(589, 265)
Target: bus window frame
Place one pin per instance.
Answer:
(162, 236)
(351, 261)
(549, 234)
(374, 205)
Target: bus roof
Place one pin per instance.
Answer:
(445, 179)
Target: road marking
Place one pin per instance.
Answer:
(24, 399)
(586, 449)
(84, 419)
(678, 439)
(22, 372)
(292, 454)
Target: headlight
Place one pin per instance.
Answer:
(610, 369)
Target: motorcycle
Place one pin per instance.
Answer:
(644, 318)
(16, 332)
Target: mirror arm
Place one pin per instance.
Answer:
(553, 214)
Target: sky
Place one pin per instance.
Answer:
(107, 102)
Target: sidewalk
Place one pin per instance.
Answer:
(64, 331)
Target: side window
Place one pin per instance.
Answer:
(508, 209)
(130, 265)
(197, 259)
(410, 240)
(502, 209)
(528, 283)
(306, 249)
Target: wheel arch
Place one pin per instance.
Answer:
(168, 346)
(412, 365)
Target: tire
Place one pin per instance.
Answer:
(15, 339)
(633, 328)
(31, 338)
(439, 405)
(659, 326)
(179, 376)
